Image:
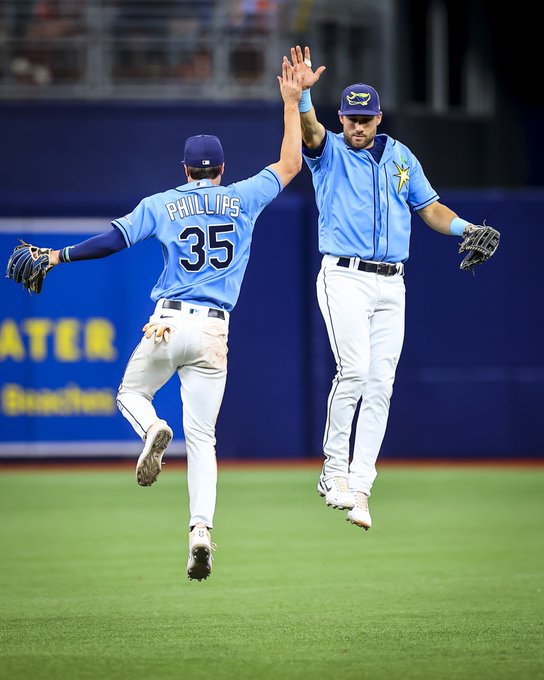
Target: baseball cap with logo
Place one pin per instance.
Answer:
(359, 100)
(203, 151)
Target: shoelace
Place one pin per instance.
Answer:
(213, 546)
(341, 484)
(362, 500)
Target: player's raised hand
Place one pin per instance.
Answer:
(303, 66)
(290, 82)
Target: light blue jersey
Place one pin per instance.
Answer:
(205, 231)
(365, 207)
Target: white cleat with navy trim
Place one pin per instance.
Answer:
(336, 492)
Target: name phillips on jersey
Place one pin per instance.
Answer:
(194, 204)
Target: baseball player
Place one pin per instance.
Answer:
(205, 231)
(366, 187)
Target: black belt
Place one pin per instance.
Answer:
(176, 304)
(383, 268)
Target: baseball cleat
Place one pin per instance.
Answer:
(359, 514)
(199, 564)
(148, 466)
(336, 493)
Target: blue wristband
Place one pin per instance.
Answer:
(458, 226)
(305, 103)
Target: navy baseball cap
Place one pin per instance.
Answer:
(359, 100)
(203, 151)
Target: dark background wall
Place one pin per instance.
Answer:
(501, 149)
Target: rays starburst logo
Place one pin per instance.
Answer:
(403, 176)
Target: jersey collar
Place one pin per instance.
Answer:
(197, 184)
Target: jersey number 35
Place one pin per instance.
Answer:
(207, 246)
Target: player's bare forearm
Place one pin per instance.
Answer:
(438, 217)
(313, 132)
(290, 162)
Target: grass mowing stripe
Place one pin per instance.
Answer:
(447, 583)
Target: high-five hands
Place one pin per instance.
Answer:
(303, 67)
(290, 82)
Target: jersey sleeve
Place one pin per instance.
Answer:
(97, 246)
(320, 155)
(137, 225)
(258, 191)
(421, 192)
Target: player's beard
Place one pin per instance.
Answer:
(361, 142)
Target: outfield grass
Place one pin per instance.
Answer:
(447, 584)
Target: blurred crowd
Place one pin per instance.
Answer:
(46, 42)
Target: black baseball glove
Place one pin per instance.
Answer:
(479, 243)
(28, 265)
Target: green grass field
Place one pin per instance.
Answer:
(447, 584)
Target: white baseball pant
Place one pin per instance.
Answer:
(197, 352)
(364, 316)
